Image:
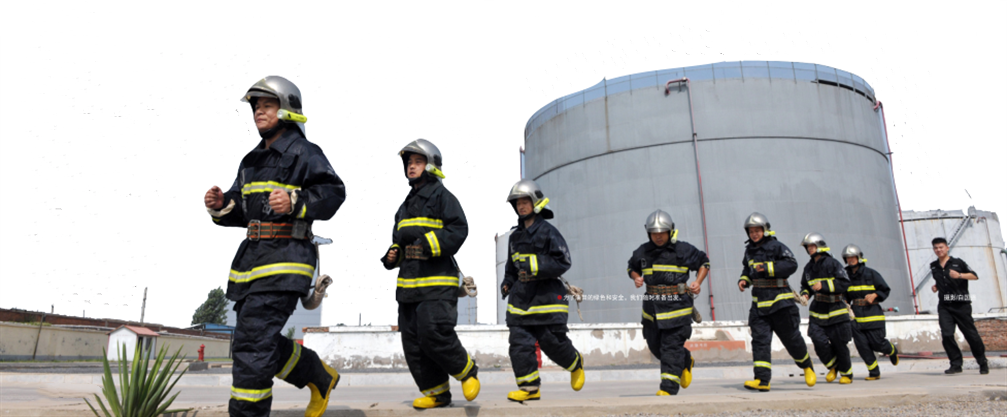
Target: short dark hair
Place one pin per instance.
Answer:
(938, 240)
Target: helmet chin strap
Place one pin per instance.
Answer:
(268, 133)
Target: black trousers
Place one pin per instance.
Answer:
(959, 314)
(260, 352)
(786, 323)
(431, 346)
(555, 345)
(832, 345)
(668, 345)
(869, 341)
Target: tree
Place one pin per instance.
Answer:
(214, 310)
(290, 333)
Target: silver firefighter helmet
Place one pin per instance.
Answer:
(424, 147)
(758, 220)
(853, 250)
(286, 92)
(815, 238)
(528, 188)
(658, 222)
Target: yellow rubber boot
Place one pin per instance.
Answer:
(757, 385)
(471, 387)
(870, 378)
(577, 379)
(832, 375)
(663, 393)
(522, 395)
(809, 377)
(845, 380)
(429, 402)
(687, 375)
(318, 404)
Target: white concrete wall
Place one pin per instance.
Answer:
(17, 342)
(215, 348)
(601, 344)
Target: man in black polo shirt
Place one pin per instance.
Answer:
(954, 307)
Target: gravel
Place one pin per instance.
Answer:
(991, 404)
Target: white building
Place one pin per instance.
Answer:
(129, 336)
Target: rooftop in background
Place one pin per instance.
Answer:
(795, 71)
(24, 316)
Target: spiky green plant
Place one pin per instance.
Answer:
(141, 393)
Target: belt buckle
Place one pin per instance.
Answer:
(255, 225)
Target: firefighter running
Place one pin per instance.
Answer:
(663, 264)
(829, 324)
(765, 267)
(537, 309)
(283, 185)
(866, 292)
(429, 229)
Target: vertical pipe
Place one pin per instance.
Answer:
(905, 242)
(699, 177)
(38, 336)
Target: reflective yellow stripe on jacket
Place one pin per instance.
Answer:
(860, 288)
(869, 319)
(266, 187)
(769, 303)
(422, 222)
(665, 268)
(271, 269)
(545, 309)
(427, 282)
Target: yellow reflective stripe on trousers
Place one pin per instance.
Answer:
(829, 365)
(764, 304)
(266, 187)
(422, 222)
(546, 309)
(673, 314)
(671, 377)
(769, 267)
(847, 372)
(527, 378)
(806, 356)
(468, 366)
(829, 315)
(647, 316)
(435, 245)
(252, 395)
(872, 366)
(427, 282)
(440, 389)
(762, 364)
(295, 356)
(575, 360)
(869, 319)
(860, 288)
(239, 277)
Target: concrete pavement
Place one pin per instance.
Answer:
(715, 389)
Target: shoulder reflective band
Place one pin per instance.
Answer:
(421, 222)
(673, 314)
(239, 277)
(266, 187)
(647, 316)
(769, 303)
(544, 309)
(860, 288)
(440, 389)
(671, 377)
(869, 319)
(829, 315)
(435, 245)
(295, 356)
(291, 116)
(762, 364)
(427, 282)
(527, 378)
(464, 372)
(252, 395)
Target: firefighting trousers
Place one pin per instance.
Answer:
(431, 346)
(786, 323)
(260, 352)
(959, 314)
(668, 345)
(832, 345)
(869, 341)
(555, 345)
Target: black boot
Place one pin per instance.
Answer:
(953, 370)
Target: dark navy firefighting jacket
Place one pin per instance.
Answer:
(828, 271)
(862, 282)
(667, 265)
(295, 165)
(541, 252)
(779, 263)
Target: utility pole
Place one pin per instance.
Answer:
(360, 319)
(143, 308)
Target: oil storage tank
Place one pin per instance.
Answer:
(801, 143)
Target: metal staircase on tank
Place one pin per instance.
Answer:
(959, 230)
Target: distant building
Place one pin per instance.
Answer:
(130, 336)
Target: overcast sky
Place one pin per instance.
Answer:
(115, 120)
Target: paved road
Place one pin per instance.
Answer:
(597, 398)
